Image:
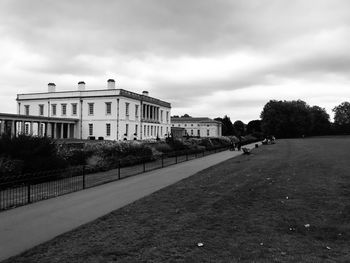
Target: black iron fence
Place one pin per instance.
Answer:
(28, 188)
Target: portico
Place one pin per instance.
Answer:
(56, 128)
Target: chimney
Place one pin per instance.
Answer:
(51, 87)
(145, 93)
(81, 85)
(111, 84)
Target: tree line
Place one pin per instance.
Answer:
(291, 119)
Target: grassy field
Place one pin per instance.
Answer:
(288, 202)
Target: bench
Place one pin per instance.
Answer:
(246, 151)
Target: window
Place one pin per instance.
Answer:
(178, 125)
(126, 129)
(207, 132)
(108, 129)
(192, 124)
(147, 130)
(74, 109)
(144, 130)
(185, 125)
(91, 129)
(91, 108)
(191, 132)
(108, 108)
(161, 116)
(136, 111)
(41, 109)
(53, 108)
(127, 108)
(26, 109)
(63, 109)
(172, 125)
(167, 130)
(161, 131)
(151, 130)
(136, 128)
(198, 133)
(167, 116)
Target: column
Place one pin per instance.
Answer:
(61, 136)
(68, 131)
(54, 130)
(13, 128)
(148, 112)
(39, 129)
(31, 129)
(2, 128)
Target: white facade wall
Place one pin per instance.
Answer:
(206, 129)
(118, 119)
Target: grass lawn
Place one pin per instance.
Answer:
(288, 202)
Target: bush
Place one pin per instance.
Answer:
(35, 153)
(107, 155)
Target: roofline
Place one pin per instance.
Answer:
(122, 93)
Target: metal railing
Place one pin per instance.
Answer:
(28, 188)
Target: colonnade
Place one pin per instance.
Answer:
(57, 129)
(150, 113)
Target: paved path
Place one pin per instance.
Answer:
(27, 226)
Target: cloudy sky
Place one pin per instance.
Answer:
(207, 57)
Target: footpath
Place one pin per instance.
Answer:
(27, 226)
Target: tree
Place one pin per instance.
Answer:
(227, 127)
(254, 126)
(342, 117)
(320, 124)
(239, 127)
(185, 116)
(286, 119)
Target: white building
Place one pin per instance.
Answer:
(202, 127)
(114, 114)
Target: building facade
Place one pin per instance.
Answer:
(200, 127)
(110, 113)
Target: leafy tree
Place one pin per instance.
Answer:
(239, 127)
(286, 119)
(342, 117)
(227, 127)
(185, 116)
(320, 124)
(254, 126)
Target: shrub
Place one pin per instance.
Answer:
(36, 153)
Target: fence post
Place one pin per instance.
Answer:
(162, 160)
(84, 183)
(144, 166)
(186, 155)
(28, 192)
(175, 158)
(203, 153)
(119, 170)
